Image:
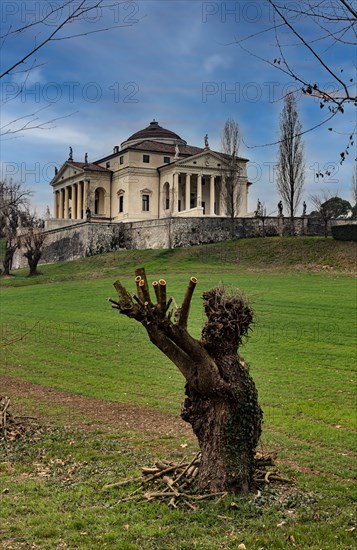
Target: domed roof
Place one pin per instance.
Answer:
(154, 132)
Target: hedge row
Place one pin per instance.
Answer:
(346, 232)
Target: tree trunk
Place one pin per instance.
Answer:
(33, 260)
(221, 398)
(9, 255)
(228, 430)
(33, 242)
(326, 228)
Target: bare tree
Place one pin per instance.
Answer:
(231, 188)
(56, 22)
(31, 241)
(169, 199)
(291, 166)
(14, 201)
(354, 186)
(333, 24)
(324, 32)
(221, 399)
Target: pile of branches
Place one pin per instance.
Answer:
(13, 427)
(174, 483)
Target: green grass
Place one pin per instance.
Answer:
(274, 254)
(302, 354)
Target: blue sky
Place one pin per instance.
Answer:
(177, 62)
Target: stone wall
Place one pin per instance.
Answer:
(88, 238)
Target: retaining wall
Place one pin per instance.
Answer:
(88, 239)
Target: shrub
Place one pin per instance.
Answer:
(346, 232)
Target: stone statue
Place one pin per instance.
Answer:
(88, 214)
(177, 151)
(304, 208)
(259, 207)
(70, 157)
(206, 140)
(280, 208)
(56, 170)
(86, 158)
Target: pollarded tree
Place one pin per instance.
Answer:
(291, 166)
(221, 398)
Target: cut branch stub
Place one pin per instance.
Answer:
(182, 323)
(139, 288)
(162, 294)
(140, 272)
(145, 291)
(125, 299)
(155, 284)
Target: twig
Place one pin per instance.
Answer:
(188, 466)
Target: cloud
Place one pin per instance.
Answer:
(214, 62)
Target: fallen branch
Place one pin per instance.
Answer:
(174, 481)
(12, 427)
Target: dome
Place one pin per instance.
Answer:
(154, 132)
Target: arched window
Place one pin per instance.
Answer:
(166, 196)
(99, 201)
(120, 194)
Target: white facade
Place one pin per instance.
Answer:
(154, 174)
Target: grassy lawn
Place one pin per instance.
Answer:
(302, 354)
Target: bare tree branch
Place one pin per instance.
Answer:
(84, 7)
(307, 45)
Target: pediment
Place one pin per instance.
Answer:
(66, 172)
(206, 159)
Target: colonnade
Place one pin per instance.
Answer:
(193, 184)
(71, 201)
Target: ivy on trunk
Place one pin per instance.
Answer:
(221, 398)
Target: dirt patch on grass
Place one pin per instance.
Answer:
(89, 412)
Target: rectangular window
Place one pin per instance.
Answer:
(167, 160)
(121, 159)
(146, 158)
(121, 203)
(146, 204)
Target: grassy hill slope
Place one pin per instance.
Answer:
(274, 254)
(58, 331)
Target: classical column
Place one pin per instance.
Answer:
(66, 202)
(79, 200)
(74, 201)
(61, 200)
(85, 195)
(211, 196)
(188, 192)
(199, 189)
(106, 205)
(55, 204)
(175, 193)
